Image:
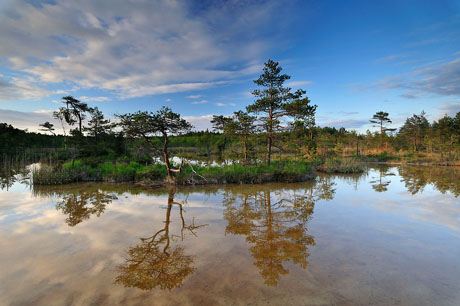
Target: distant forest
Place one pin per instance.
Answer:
(439, 139)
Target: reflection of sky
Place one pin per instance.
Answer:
(368, 244)
(430, 205)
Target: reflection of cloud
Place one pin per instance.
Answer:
(47, 262)
(430, 206)
(82, 258)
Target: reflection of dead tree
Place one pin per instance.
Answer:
(152, 263)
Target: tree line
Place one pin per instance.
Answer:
(280, 123)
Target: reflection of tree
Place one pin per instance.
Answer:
(381, 185)
(323, 190)
(274, 223)
(444, 179)
(7, 178)
(11, 173)
(79, 205)
(154, 262)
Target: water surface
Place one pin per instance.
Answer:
(390, 236)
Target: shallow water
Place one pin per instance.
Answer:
(390, 236)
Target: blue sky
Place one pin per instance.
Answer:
(199, 57)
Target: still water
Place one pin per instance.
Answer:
(390, 236)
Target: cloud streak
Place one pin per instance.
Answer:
(28, 120)
(16, 89)
(439, 79)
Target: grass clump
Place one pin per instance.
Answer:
(79, 171)
(151, 173)
(47, 175)
(344, 165)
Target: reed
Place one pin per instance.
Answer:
(343, 165)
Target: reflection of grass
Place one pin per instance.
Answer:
(287, 171)
(343, 165)
(416, 158)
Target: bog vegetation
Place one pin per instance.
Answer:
(273, 139)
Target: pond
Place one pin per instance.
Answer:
(389, 236)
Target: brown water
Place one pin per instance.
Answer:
(388, 237)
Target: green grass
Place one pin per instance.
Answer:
(343, 165)
(78, 172)
(239, 174)
(286, 171)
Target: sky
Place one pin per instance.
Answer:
(200, 58)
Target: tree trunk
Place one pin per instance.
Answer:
(270, 128)
(245, 151)
(165, 155)
(381, 134)
(79, 122)
(269, 137)
(357, 145)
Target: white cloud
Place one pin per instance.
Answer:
(44, 111)
(135, 48)
(393, 57)
(16, 89)
(439, 78)
(61, 92)
(28, 120)
(345, 123)
(200, 102)
(200, 123)
(299, 83)
(450, 108)
(168, 100)
(225, 104)
(194, 96)
(94, 99)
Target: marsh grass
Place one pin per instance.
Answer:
(342, 165)
(286, 171)
(80, 172)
